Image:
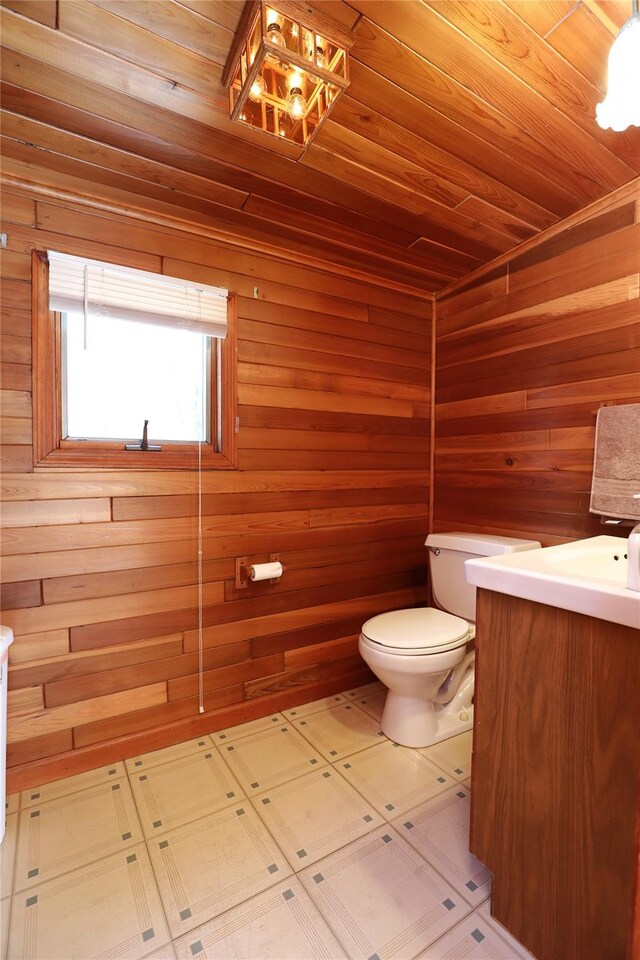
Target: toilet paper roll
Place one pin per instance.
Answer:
(266, 571)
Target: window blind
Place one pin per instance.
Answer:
(107, 291)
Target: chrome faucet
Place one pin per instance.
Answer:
(633, 554)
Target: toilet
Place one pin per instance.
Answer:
(421, 655)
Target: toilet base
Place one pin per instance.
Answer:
(413, 722)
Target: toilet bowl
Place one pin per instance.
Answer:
(421, 654)
(414, 652)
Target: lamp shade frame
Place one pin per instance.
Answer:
(254, 54)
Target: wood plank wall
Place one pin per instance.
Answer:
(526, 353)
(99, 567)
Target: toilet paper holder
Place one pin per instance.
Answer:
(243, 570)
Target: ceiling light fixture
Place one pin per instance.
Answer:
(286, 69)
(621, 107)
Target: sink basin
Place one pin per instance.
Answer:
(587, 576)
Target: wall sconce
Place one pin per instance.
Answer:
(621, 107)
(286, 69)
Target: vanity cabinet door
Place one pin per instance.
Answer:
(556, 776)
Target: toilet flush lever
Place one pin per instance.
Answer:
(434, 550)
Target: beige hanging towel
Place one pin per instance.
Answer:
(616, 462)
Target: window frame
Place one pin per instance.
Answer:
(51, 449)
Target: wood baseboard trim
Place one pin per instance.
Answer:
(38, 772)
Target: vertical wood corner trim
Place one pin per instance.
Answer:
(44, 361)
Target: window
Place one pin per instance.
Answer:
(116, 349)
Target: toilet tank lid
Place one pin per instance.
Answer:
(480, 544)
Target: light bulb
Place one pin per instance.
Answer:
(296, 103)
(294, 79)
(621, 107)
(321, 59)
(257, 89)
(274, 34)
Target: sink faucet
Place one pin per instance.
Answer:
(633, 553)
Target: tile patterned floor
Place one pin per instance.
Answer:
(340, 730)
(170, 794)
(306, 834)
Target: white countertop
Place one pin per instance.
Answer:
(588, 576)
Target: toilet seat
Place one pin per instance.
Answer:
(418, 631)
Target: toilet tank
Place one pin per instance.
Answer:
(447, 555)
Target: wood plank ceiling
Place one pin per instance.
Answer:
(468, 127)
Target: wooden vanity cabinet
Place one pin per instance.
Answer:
(556, 769)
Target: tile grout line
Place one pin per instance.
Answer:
(146, 846)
